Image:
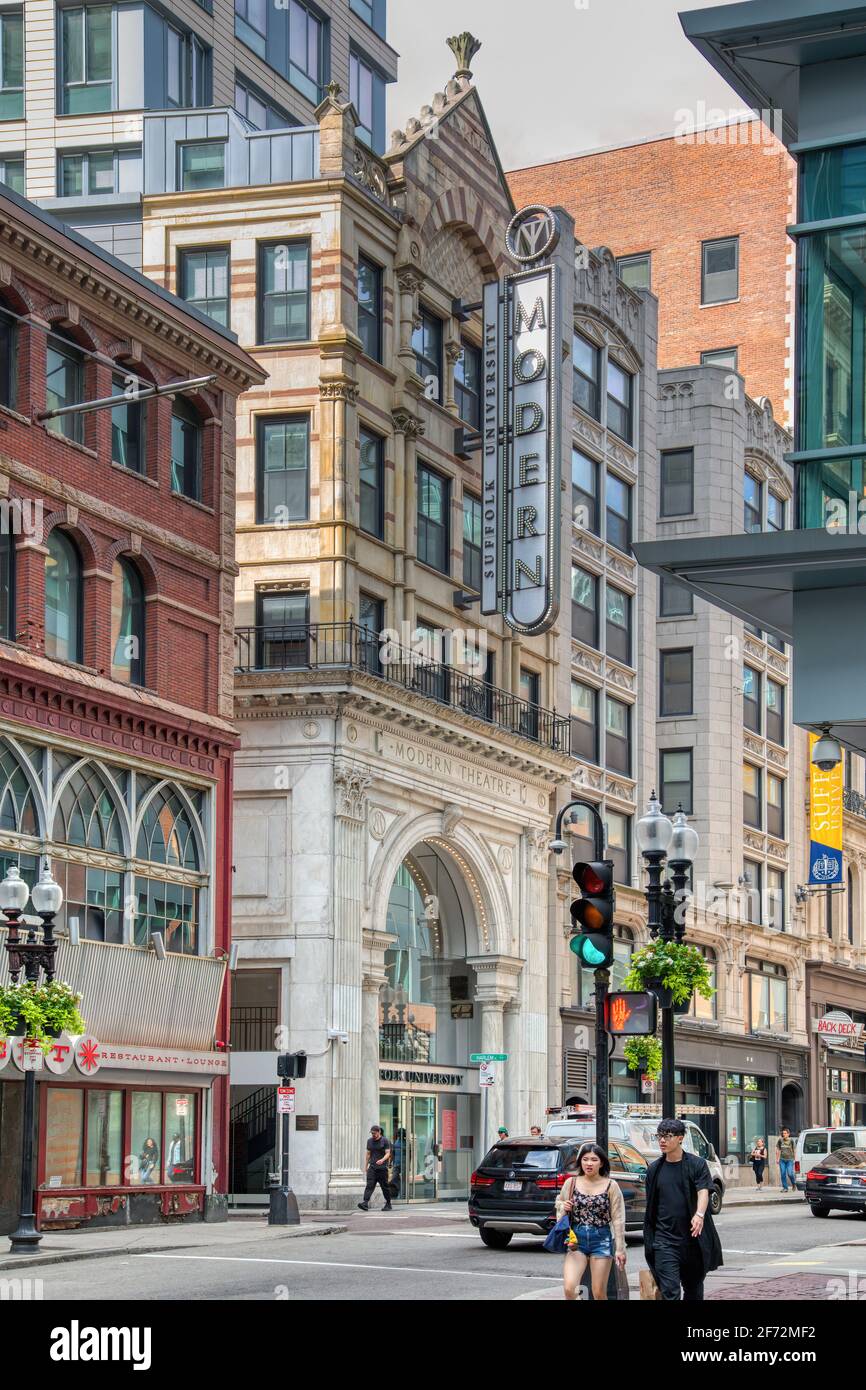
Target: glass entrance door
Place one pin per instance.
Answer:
(409, 1122)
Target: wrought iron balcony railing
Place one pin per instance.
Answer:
(328, 646)
(853, 801)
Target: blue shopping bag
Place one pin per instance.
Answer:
(557, 1240)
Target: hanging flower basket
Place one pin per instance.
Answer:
(663, 993)
(644, 1054)
(679, 968)
(39, 1013)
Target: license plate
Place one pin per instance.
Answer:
(512, 1187)
(846, 1182)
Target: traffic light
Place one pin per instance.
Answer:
(292, 1065)
(592, 914)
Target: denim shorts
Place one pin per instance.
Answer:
(594, 1241)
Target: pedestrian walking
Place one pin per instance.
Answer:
(786, 1152)
(758, 1160)
(680, 1240)
(378, 1156)
(596, 1210)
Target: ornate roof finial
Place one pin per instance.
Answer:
(464, 47)
(334, 90)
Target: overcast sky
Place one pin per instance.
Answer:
(558, 76)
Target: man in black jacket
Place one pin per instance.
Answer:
(680, 1240)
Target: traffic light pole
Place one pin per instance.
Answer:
(602, 1063)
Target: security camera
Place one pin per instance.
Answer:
(336, 1035)
(557, 846)
(827, 752)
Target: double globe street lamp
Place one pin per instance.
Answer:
(28, 952)
(675, 841)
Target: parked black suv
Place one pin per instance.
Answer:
(515, 1186)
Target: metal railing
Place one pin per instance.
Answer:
(253, 1027)
(853, 801)
(320, 646)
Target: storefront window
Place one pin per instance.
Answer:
(104, 1138)
(145, 1159)
(64, 1136)
(747, 1106)
(180, 1132)
(623, 1084)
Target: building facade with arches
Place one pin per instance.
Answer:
(116, 738)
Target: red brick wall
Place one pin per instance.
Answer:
(667, 196)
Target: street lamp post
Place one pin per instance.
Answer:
(660, 839)
(32, 955)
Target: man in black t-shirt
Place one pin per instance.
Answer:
(378, 1156)
(680, 1240)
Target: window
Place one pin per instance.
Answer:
(251, 24)
(12, 172)
(94, 896)
(180, 1132)
(259, 110)
(99, 171)
(752, 699)
(675, 780)
(87, 59)
(776, 712)
(306, 52)
(617, 740)
(675, 669)
(7, 586)
(64, 1135)
(371, 620)
(471, 542)
(752, 503)
(284, 292)
(705, 1009)
(204, 276)
(850, 906)
(675, 600)
(775, 806)
(104, 1138)
(584, 606)
(584, 721)
(367, 95)
(751, 898)
(174, 84)
(752, 796)
(282, 469)
(618, 625)
(775, 898)
(427, 346)
(370, 307)
(434, 501)
(720, 270)
(775, 512)
(202, 165)
(372, 483)
(677, 482)
(620, 386)
(618, 845)
(11, 65)
(768, 996)
(584, 491)
(186, 441)
(64, 385)
(720, 357)
(8, 359)
(467, 384)
(146, 1138)
(282, 623)
(587, 374)
(530, 687)
(127, 428)
(634, 271)
(63, 599)
(618, 513)
(169, 908)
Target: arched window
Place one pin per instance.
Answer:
(127, 624)
(186, 438)
(63, 599)
(8, 327)
(850, 907)
(17, 804)
(166, 834)
(87, 814)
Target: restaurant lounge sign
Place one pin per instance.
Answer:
(521, 446)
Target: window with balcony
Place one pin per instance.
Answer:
(752, 699)
(752, 503)
(283, 308)
(307, 51)
(618, 845)
(635, 271)
(584, 606)
(371, 621)
(677, 482)
(720, 270)
(618, 513)
(584, 721)
(530, 691)
(186, 450)
(427, 347)
(776, 712)
(775, 806)
(282, 629)
(675, 780)
(86, 59)
(584, 491)
(370, 307)
(367, 95)
(11, 65)
(620, 389)
(587, 375)
(467, 384)
(202, 165)
(676, 682)
(618, 626)
(434, 502)
(372, 483)
(675, 600)
(282, 469)
(99, 171)
(471, 542)
(752, 796)
(204, 280)
(617, 757)
(127, 428)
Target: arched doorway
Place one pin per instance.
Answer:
(792, 1107)
(429, 1026)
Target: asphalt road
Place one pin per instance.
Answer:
(399, 1258)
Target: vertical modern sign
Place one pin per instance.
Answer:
(491, 450)
(825, 822)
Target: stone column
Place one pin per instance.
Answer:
(493, 1040)
(375, 946)
(452, 357)
(535, 894)
(408, 283)
(337, 121)
(497, 989)
(336, 493)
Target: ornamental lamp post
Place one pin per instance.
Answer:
(31, 955)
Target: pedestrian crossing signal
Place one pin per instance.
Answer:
(592, 914)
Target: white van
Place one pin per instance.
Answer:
(815, 1144)
(578, 1122)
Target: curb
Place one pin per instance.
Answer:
(68, 1256)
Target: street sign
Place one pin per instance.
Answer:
(647, 1084)
(486, 1074)
(488, 1056)
(285, 1100)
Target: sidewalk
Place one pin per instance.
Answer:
(759, 1197)
(60, 1247)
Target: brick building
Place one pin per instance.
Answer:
(116, 741)
(698, 218)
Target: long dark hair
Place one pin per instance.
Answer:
(604, 1161)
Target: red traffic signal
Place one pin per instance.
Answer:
(631, 1013)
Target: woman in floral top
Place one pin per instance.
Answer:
(597, 1211)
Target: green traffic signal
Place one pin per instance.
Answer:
(594, 951)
